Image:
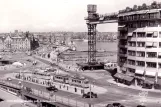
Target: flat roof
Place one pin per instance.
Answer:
(139, 12)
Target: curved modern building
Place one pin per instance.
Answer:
(139, 43)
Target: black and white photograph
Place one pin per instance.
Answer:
(80, 53)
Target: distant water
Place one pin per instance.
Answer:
(107, 46)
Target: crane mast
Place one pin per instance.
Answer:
(92, 20)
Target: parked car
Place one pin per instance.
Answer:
(9, 79)
(52, 88)
(117, 105)
(93, 95)
(141, 106)
(109, 105)
(29, 60)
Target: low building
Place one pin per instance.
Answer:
(15, 43)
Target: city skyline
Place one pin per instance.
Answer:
(52, 15)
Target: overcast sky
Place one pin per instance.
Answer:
(56, 15)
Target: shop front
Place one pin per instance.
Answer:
(122, 78)
(150, 77)
(139, 77)
(157, 84)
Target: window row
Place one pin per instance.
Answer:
(142, 63)
(153, 34)
(142, 54)
(139, 17)
(143, 24)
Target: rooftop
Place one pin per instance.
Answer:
(144, 7)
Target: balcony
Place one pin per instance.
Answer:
(131, 57)
(131, 48)
(133, 39)
(152, 49)
(140, 49)
(151, 59)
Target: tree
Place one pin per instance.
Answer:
(144, 6)
(159, 5)
(135, 7)
(128, 9)
(140, 8)
(154, 5)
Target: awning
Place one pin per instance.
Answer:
(121, 26)
(119, 75)
(130, 34)
(150, 73)
(149, 80)
(128, 78)
(130, 73)
(149, 43)
(140, 77)
(123, 76)
(150, 32)
(139, 72)
(155, 44)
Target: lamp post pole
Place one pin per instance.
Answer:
(90, 95)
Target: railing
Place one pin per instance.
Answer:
(49, 97)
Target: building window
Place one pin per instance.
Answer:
(131, 53)
(151, 64)
(159, 34)
(131, 62)
(159, 65)
(134, 34)
(155, 34)
(140, 44)
(131, 70)
(159, 55)
(155, 44)
(149, 34)
(141, 34)
(149, 44)
(141, 63)
(141, 54)
(151, 54)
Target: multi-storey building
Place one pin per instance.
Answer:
(15, 43)
(139, 42)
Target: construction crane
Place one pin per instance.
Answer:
(92, 20)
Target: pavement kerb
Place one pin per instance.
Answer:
(131, 87)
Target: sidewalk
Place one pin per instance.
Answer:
(132, 86)
(11, 100)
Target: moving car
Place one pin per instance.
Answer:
(93, 95)
(52, 88)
